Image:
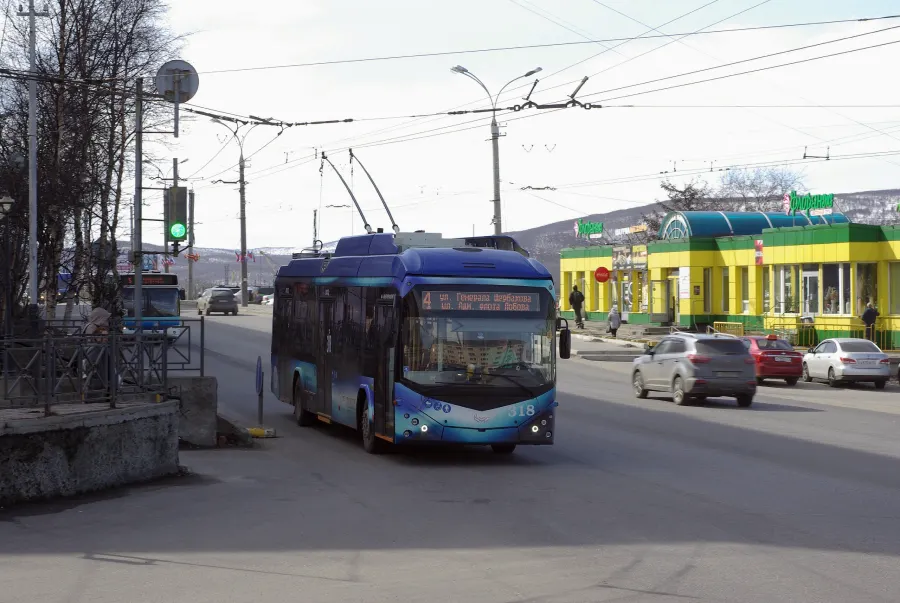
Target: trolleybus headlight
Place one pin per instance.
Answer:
(535, 428)
(407, 433)
(424, 428)
(543, 422)
(549, 434)
(406, 415)
(415, 421)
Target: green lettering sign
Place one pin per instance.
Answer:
(586, 229)
(806, 203)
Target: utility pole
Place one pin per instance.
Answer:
(243, 233)
(495, 145)
(190, 290)
(137, 231)
(32, 14)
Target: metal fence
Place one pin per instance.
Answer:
(65, 366)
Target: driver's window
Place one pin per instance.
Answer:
(663, 347)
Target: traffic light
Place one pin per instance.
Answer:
(176, 214)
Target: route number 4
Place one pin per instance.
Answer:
(522, 410)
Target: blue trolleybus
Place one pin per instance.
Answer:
(411, 338)
(161, 310)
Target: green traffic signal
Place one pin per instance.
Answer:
(178, 231)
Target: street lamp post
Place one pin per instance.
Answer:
(6, 204)
(242, 184)
(495, 135)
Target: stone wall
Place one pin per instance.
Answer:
(77, 451)
(199, 404)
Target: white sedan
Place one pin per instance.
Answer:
(842, 360)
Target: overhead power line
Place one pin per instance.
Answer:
(545, 45)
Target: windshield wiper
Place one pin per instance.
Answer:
(516, 382)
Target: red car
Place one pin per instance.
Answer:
(775, 359)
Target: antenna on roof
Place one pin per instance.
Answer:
(383, 202)
(344, 182)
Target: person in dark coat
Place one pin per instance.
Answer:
(868, 318)
(576, 300)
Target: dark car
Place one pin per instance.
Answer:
(775, 359)
(217, 300)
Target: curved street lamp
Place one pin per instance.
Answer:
(495, 134)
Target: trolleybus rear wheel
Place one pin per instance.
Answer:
(301, 415)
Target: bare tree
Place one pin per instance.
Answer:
(90, 53)
(693, 196)
(760, 189)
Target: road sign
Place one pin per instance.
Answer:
(259, 376)
(601, 274)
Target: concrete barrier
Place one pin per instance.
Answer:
(81, 450)
(199, 404)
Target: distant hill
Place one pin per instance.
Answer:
(545, 242)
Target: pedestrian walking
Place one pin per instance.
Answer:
(868, 318)
(615, 320)
(576, 300)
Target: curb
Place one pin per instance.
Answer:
(606, 356)
(231, 426)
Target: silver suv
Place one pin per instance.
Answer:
(694, 367)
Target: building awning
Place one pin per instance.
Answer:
(686, 224)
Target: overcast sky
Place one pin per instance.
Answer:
(442, 180)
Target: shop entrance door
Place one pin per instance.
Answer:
(810, 306)
(660, 301)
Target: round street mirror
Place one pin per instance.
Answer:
(177, 76)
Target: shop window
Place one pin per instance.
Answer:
(765, 286)
(707, 290)
(725, 291)
(745, 290)
(894, 282)
(595, 296)
(809, 289)
(786, 301)
(866, 287)
(836, 288)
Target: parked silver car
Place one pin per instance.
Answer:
(694, 367)
(843, 359)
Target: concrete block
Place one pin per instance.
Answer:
(198, 409)
(65, 455)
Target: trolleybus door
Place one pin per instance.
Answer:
(325, 364)
(384, 375)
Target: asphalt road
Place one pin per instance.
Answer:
(794, 499)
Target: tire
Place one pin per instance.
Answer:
(637, 383)
(503, 448)
(301, 415)
(880, 384)
(678, 394)
(199, 312)
(744, 400)
(832, 380)
(806, 378)
(371, 443)
(208, 312)
(234, 313)
(792, 381)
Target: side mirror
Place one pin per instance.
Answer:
(648, 350)
(565, 344)
(811, 351)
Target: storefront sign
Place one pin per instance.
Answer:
(758, 246)
(588, 230)
(684, 282)
(793, 203)
(639, 257)
(621, 232)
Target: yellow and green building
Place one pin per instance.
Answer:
(804, 274)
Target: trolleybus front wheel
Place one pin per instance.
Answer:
(371, 443)
(302, 416)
